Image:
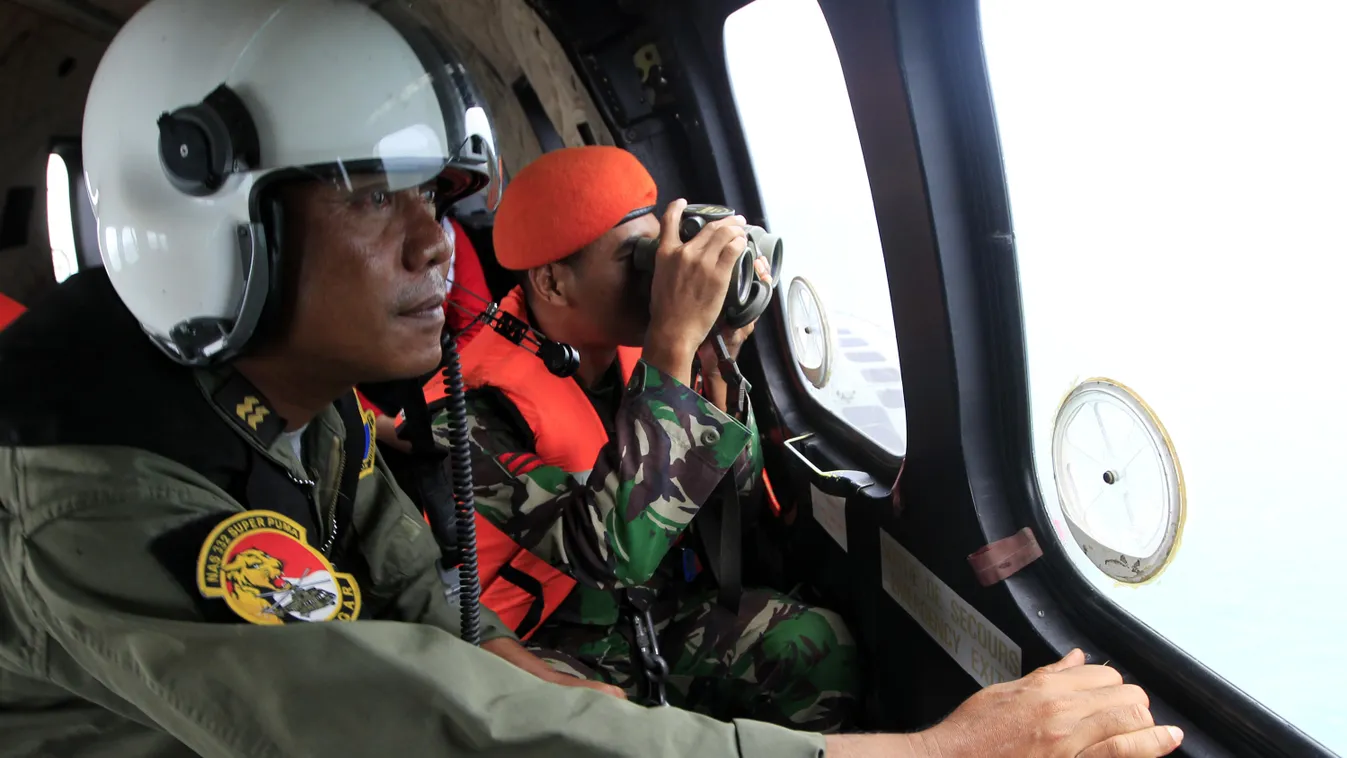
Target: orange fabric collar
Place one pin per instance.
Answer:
(567, 431)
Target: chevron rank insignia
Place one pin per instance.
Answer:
(242, 403)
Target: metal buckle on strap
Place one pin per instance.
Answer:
(653, 665)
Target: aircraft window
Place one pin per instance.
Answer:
(793, 102)
(60, 219)
(1175, 177)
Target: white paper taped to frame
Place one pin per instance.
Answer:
(981, 649)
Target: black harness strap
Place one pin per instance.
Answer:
(256, 481)
(433, 489)
(532, 586)
(358, 440)
(268, 486)
(720, 531)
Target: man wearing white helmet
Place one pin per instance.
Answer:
(186, 478)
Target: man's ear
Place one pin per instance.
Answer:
(546, 283)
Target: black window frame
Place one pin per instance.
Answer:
(693, 45)
(941, 55)
(917, 81)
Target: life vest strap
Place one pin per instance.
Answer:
(524, 590)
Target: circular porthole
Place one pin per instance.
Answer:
(810, 335)
(1118, 480)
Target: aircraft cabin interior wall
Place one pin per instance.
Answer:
(50, 49)
(46, 65)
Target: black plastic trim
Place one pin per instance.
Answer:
(693, 45)
(561, 19)
(17, 219)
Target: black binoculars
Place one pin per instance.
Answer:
(748, 295)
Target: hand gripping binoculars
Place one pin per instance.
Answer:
(748, 296)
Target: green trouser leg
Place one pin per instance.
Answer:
(777, 660)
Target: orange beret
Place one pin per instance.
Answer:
(565, 200)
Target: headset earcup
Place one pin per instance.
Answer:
(201, 145)
(184, 152)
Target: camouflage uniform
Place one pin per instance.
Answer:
(617, 527)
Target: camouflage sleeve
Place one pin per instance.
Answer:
(748, 467)
(611, 528)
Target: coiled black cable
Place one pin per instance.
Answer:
(465, 507)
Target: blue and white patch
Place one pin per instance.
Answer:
(367, 463)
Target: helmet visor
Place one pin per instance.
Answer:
(369, 87)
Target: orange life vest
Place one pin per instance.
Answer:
(521, 588)
(9, 311)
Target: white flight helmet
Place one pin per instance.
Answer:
(200, 108)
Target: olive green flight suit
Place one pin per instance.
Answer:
(105, 652)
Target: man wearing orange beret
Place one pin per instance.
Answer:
(586, 487)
